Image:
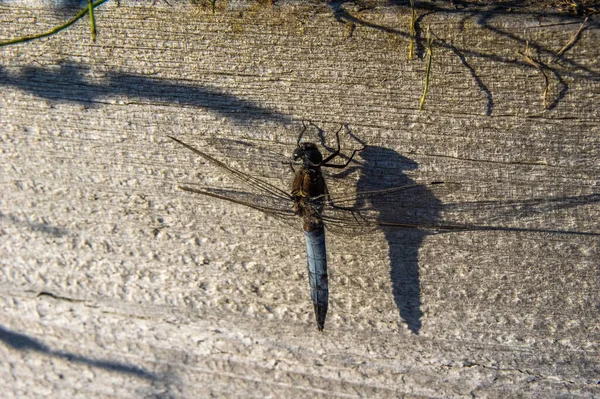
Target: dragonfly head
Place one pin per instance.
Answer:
(309, 153)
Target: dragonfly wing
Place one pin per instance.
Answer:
(262, 196)
(267, 160)
(244, 178)
(421, 207)
(269, 205)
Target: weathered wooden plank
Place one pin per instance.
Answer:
(150, 290)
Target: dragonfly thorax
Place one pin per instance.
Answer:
(309, 153)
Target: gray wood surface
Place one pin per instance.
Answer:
(115, 283)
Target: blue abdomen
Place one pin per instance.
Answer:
(317, 273)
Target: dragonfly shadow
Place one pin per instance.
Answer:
(384, 168)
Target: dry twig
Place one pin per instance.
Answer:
(412, 31)
(350, 27)
(537, 65)
(571, 42)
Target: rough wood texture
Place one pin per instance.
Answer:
(116, 283)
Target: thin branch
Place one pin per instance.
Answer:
(412, 30)
(571, 42)
(537, 65)
(350, 27)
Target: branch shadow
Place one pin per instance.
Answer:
(68, 83)
(484, 14)
(488, 94)
(67, 8)
(23, 342)
(61, 8)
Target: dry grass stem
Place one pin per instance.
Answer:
(412, 31)
(571, 42)
(537, 65)
(350, 27)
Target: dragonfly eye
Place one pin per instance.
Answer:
(298, 153)
(309, 153)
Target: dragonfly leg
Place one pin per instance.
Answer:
(301, 133)
(336, 153)
(331, 202)
(292, 167)
(343, 165)
(328, 197)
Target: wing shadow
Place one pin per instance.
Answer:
(35, 226)
(491, 215)
(23, 342)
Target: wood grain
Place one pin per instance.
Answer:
(115, 283)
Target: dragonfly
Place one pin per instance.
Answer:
(310, 201)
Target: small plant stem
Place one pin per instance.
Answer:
(537, 65)
(427, 70)
(412, 31)
(350, 27)
(92, 20)
(571, 42)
